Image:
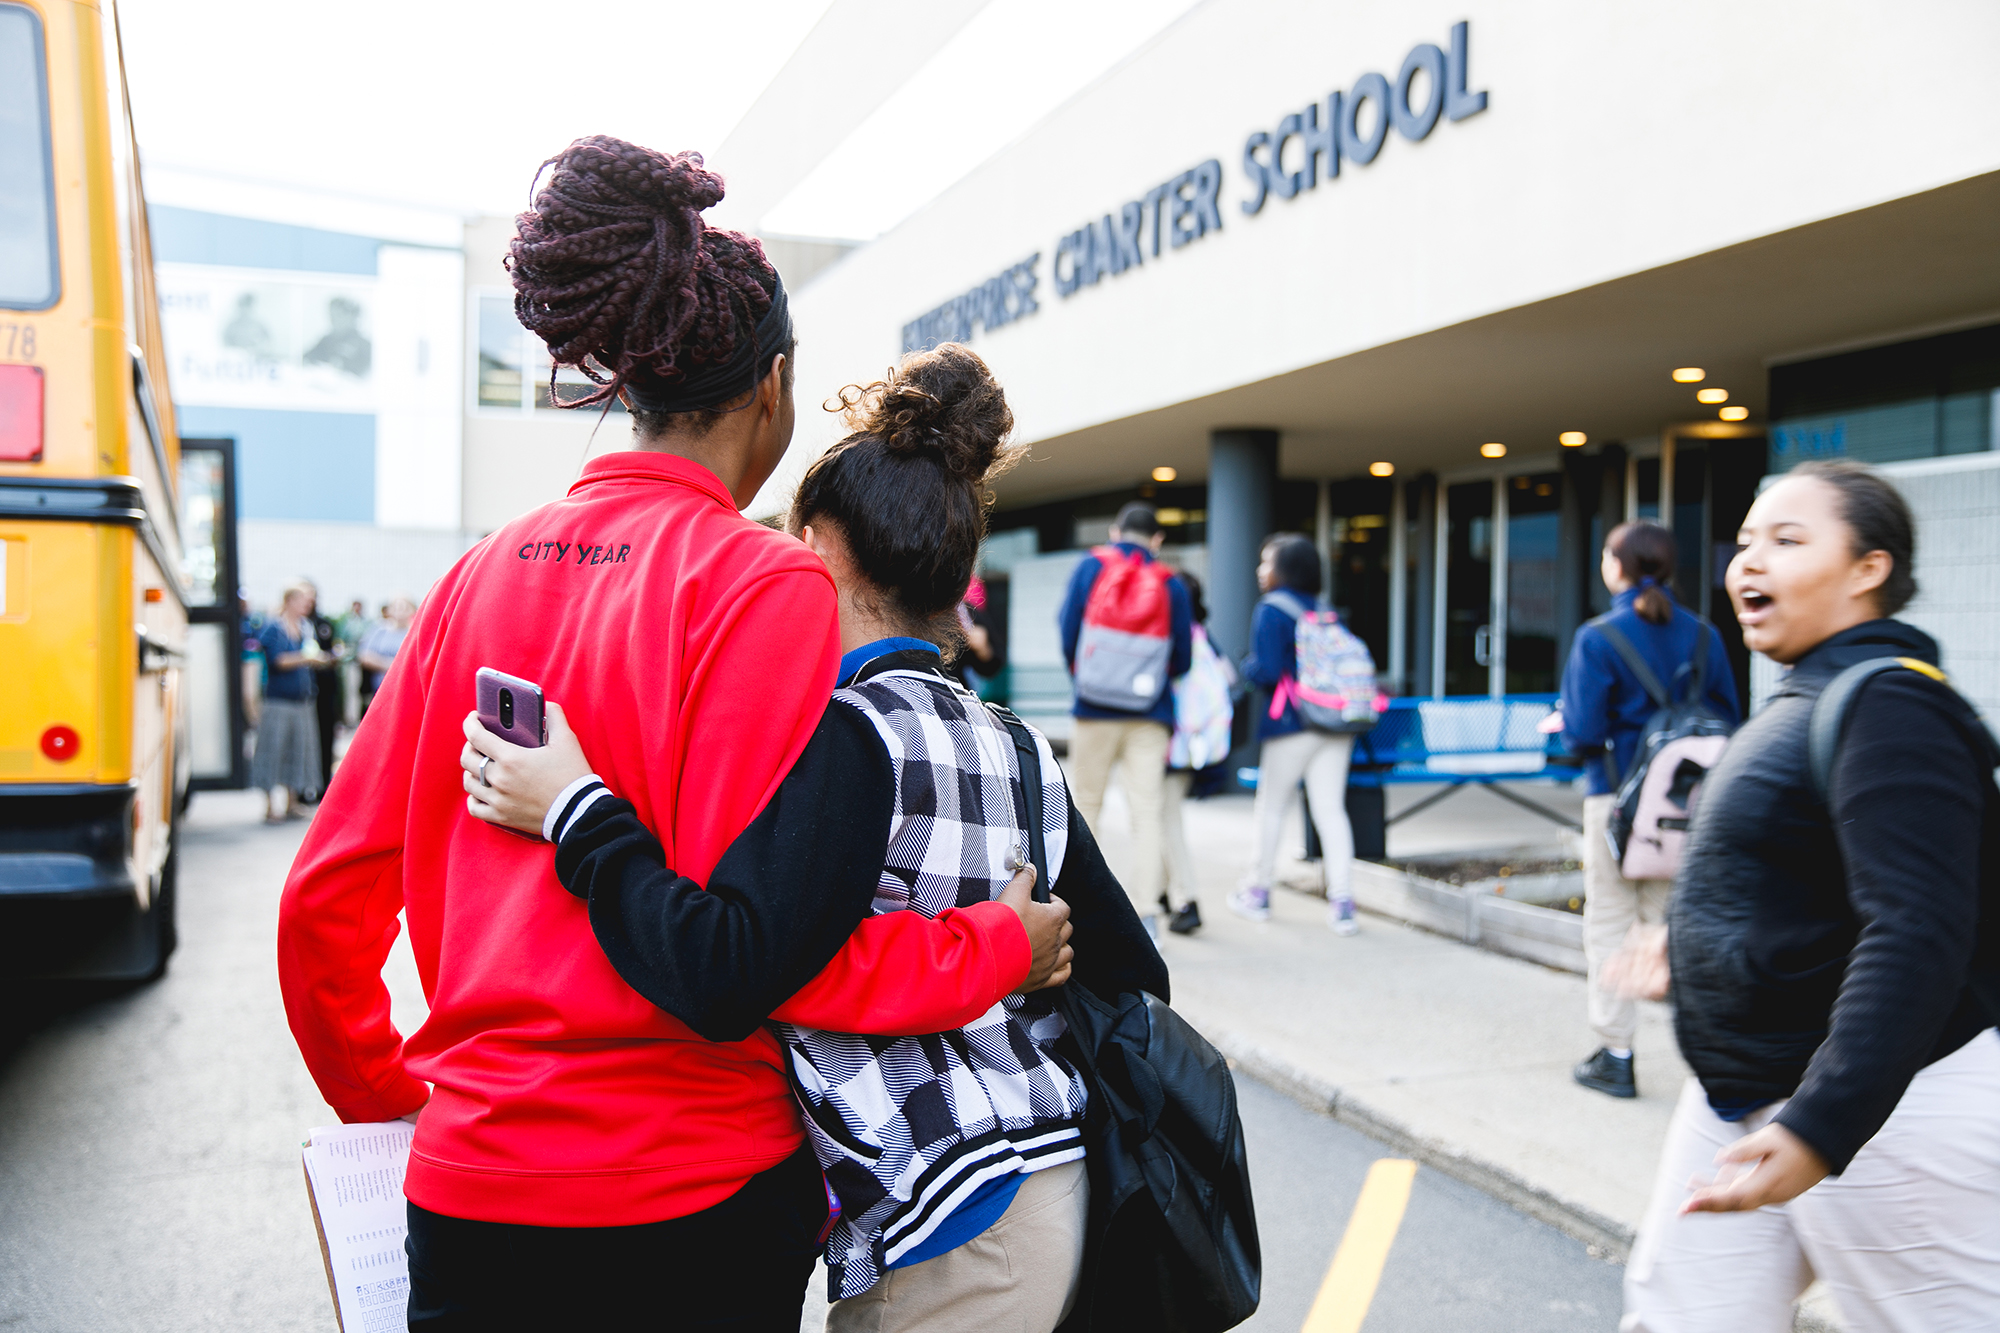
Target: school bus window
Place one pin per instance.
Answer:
(28, 279)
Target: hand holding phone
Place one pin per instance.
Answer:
(513, 787)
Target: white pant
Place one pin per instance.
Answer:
(1321, 760)
(1907, 1239)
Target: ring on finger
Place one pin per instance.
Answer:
(484, 760)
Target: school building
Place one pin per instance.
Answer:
(1453, 288)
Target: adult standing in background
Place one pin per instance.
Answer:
(1835, 947)
(287, 755)
(330, 700)
(379, 645)
(1132, 738)
(1604, 709)
(1288, 574)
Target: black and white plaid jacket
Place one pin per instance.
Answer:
(907, 1128)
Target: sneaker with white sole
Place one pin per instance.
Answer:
(1340, 917)
(1252, 904)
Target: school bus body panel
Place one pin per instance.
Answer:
(93, 623)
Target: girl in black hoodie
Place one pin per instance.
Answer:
(1829, 956)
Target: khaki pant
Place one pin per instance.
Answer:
(1139, 749)
(1907, 1239)
(1018, 1276)
(1612, 905)
(1320, 761)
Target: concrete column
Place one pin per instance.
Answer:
(1242, 487)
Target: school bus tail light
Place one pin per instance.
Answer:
(20, 414)
(61, 743)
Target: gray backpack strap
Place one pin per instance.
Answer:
(1829, 720)
(1287, 601)
(1648, 682)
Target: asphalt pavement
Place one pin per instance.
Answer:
(150, 1171)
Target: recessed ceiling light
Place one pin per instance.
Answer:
(1573, 438)
(1164, 474)
(1493, 450)
(1381, 469)
(1690, 375)
(1734, 413)
(1712, 396)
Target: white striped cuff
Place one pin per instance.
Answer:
(570, 802)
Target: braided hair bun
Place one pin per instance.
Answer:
(907, 487)
(616, 272)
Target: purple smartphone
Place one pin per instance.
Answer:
(512, 707)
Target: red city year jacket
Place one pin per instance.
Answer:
(694, 652)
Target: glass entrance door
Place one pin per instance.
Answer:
(1533, 618)
(1468, 588)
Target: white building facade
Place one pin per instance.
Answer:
(1417, 280)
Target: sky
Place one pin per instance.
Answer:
(447, 104)
(452, 105)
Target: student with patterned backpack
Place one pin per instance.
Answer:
(1323, 694)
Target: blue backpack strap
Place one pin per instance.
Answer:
(1830, 711)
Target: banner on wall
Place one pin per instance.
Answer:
(269, 338)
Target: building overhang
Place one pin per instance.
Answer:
(1596, 360)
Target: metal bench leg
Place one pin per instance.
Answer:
(1426, 803)
(1527, 804)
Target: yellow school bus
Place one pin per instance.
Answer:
(93, 611)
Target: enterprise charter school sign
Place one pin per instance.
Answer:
(1284, 162)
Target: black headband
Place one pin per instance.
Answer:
(711, 386)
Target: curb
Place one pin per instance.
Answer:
(1611, 1239)
(1608, 1240)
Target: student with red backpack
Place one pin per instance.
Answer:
(1128, 634)
(1623, 668)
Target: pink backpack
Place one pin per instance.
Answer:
(1649, 821)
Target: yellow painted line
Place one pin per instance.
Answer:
(1351, 1279)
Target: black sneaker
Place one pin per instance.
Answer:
(1186, 921)
(1606, 1073)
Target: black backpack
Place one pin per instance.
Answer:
(1171, 1243)
(1823, 731)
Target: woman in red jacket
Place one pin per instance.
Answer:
(583, 1159)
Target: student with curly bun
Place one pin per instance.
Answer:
(585, 1158)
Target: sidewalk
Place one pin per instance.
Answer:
(1448, 1053)
(1458, 1055)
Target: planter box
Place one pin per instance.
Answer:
(1521, 930)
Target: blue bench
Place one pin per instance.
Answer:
(1462, 741)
